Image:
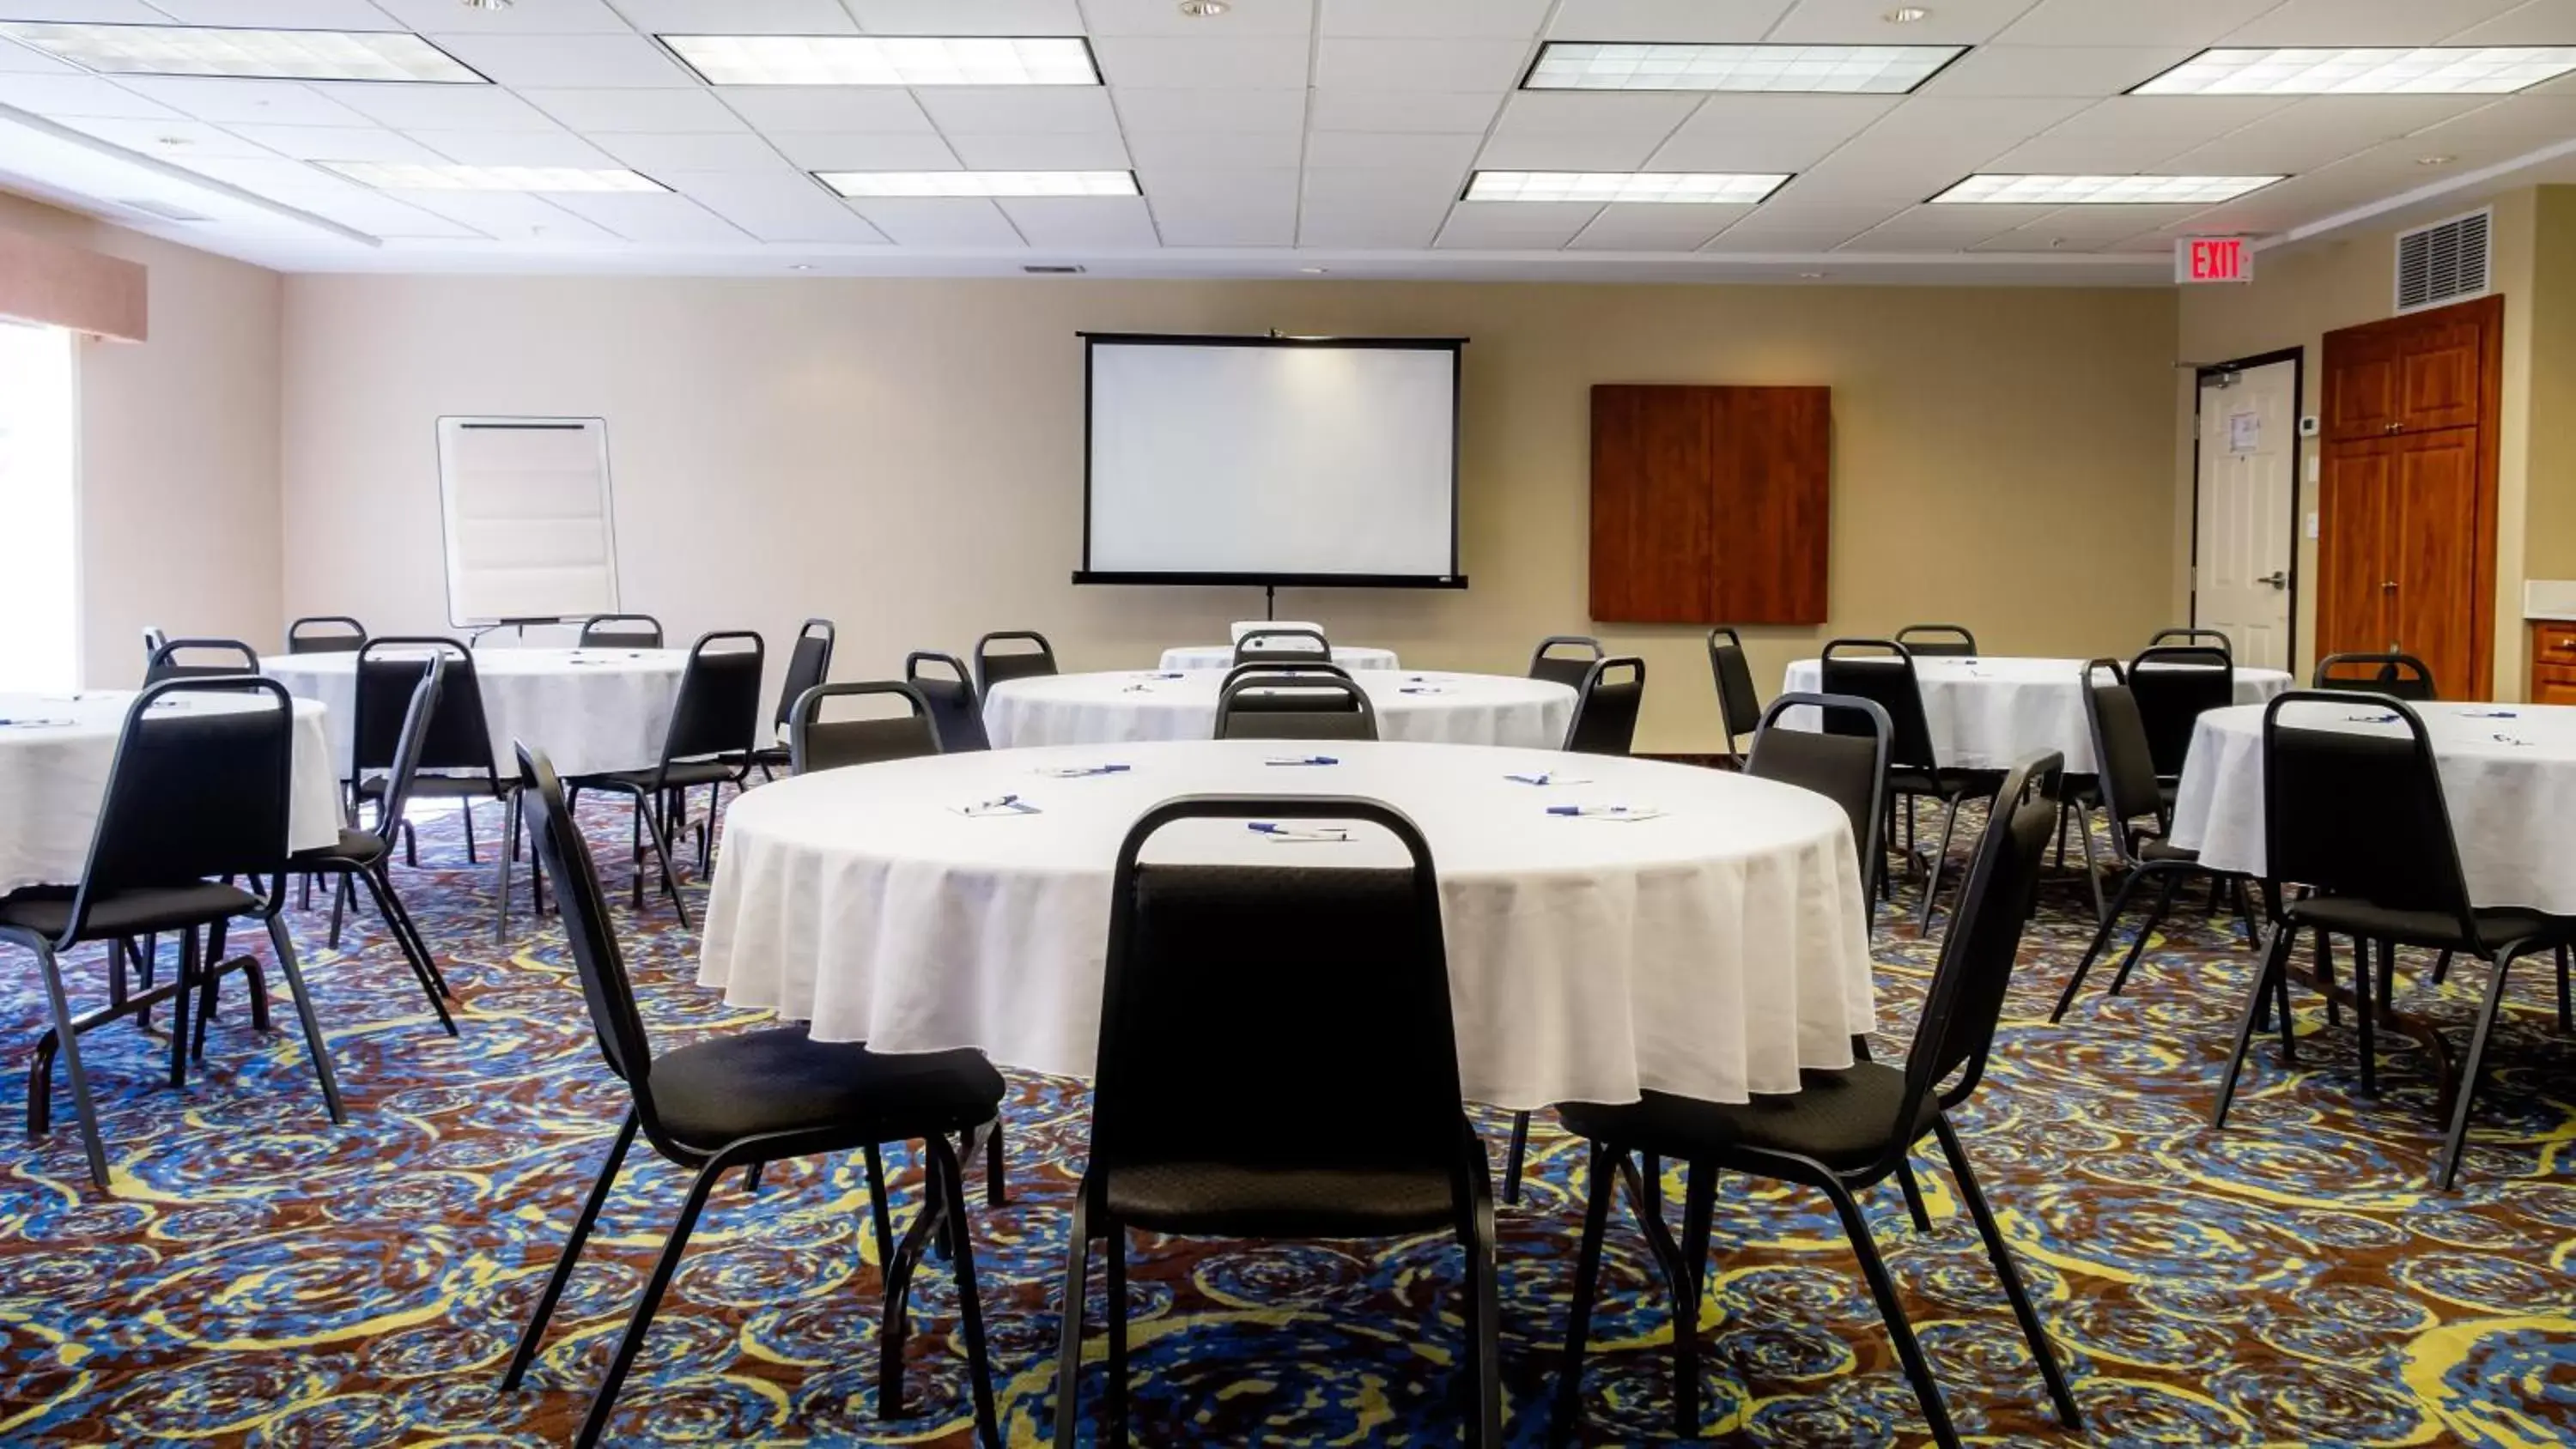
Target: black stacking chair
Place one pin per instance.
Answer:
(2359, 819)
(808, 665)
(2173, 687)
(621, 631)
(997, 666)
(751, 1098)
(1605, 707)
(956, 709)
(457, 755)
(1282, 646)
(2140, 815)
(1739, 704)
(364, 856)
(201, 659)
(1842, 1132)
(1938, 640)
(2399, 676)
(325, 634)
(819, 744)
(1882, 671)
(2195, 638)
(153, 639)
(714, 731)
(1249, 1132)
(194, 794)
(1259, 702)
(1565, 659)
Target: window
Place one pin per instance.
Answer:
(39, 622)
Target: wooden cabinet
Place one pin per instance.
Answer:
(2553, 662)
(2404, 378)
(1710, 504)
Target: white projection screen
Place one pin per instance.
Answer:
(1272, 460)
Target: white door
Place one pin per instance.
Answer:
(2249, 450)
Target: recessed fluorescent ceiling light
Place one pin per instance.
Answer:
(2102, 190)
(2341, 70)
(1604, 186)
(887, 60)
(1840, 69)
(427, 176)
(350, 55)
(980, 183)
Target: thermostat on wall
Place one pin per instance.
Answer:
(2308, 426)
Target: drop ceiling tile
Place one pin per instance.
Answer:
(2508, 128)
(1784, 241)
(2191, 23)
(270, 176)
(2366, 22)
(856, 151)
(967, 17)
(653, 153)
(1943, 228)
(1439, 19)
(2054, 70)
(1451, 112)
(1261, 62)
(1767, 133)
(1864, 22)
(1188, 109)
(337, 143)
(780, 207)
(655, 219)
(1401, 149)
(17, 59)
(258, 102)
(78, 95)
(1923, 146)
(825, 108)
(169, 140)
(274, 14)
(1041, 151)
(1019, 109)
(941, 222)
(513, 148)
(526, 17)
(1679, 21)
(1211, 149)
(737, 17)
(567, 60)
(1421, 65)
(2134, 133)
(2541, 22)
(1382, 185)
(1591, 113)
(380, 216)
(2317, 131)
(1540, 152)
(1229, 208)
(1155, 17)
(1360, 226)
(1082, 221)
(512, 216)
(102, 12)
(453, 108)
(1658, 227)
(1515, 226)
(637, 111)
(2087, 228)
(1790, 229)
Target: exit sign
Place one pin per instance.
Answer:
(2213, 259)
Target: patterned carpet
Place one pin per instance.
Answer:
(264, 1278)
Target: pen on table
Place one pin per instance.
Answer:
(1003, 802)
(1591, 810)
(1264, 827)
(1303, 760)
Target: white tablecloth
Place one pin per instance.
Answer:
(1990, 713)
(1713, 951)
(1221, 656)
(53, 779)
(593, 710)
(1452, 709)
(2513, 806)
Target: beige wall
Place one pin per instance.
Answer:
(2549, 515)
(906, 457)
(178, 452)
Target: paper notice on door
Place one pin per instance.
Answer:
(2244, 432)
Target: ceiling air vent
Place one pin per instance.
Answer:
(1052, 270)
(2443, 262)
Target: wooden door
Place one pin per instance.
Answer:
(2431, 610)
(2362, 399)
(2438, 374)
(2352, 533)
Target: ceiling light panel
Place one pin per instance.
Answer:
(431, 176)
(861, 184)
(1607, 186)
(2364, 71)
(1813, 69)
(205, 50)
(2101, 190)
(887, 60)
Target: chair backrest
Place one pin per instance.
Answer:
(1951, 640)
(814, 743)
(209, 659)
(1847, 765)
(717, 712)
(389, 669)
(2174, 686)
(1287, 957)
(2358, 812)
(1739, 704)
(2399, 676)
(418, 712)
(1301, 704)
(1565, 658)
(955, 709)
(203, 772)
(2209, 638)
(1882, 671)
(621, 631)
(153, 639)
(564, 854)
(1318, 670)
(808, 664)
(1605, 707)
(2122, 760)
(1283, 646)
(995, 666)
(325, 634)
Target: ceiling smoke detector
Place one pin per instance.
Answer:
(1205, 9)
(489, 4)
(1907, 15)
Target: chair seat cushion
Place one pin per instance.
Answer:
(2154, 848)
(1843, 1119)
(426, 786)
(1228, 1200)
(136, 912)
(2346, 916)
(681, 775)
(356, 848)
(712, 1093)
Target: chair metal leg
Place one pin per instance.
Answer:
(2365, 1012)
(341, 900)
(1114, 1254)
(894, 1331)
(1604, 1184)
(1484, 1355)
(501, 867)
(2566, 1005)
(2101, 938)
(2326, 976)
(2276, 947)
(188, 971)
(1699, 1199)
(1918, 1369)
(1940, 858)
(997, 1186)
(662, 854)
(410, 930)
(465, 808)
(413, 952)
(535, 1332)
(67, 1041)
(1513, 1159)
(1068, 1358)
(604, 1401)
(2031, 1328)
(2092, 867)
(970, 1307)
(878, 1208)
(1913, 1197)
(2146, 928)
(2457, 1139)
(313, 1039)
(2441, 968)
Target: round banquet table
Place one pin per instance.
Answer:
(2508, 775)
(55, 754)
(1713, 950)
(1453, 709)
(1221, 656)
(593, 710)
(1988, 713)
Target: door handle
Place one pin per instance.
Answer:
(2389, 587)
(2394, 427)
(2277, 578)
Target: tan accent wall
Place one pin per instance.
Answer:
(906, 456)
(57, 285)
(2549, 519)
